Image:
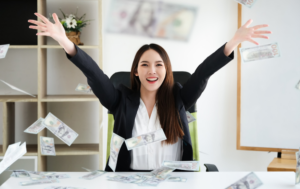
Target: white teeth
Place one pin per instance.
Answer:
(152, 79)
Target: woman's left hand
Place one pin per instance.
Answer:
(246, 34)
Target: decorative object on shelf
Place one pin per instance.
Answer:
(73, 26)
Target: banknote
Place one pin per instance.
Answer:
(120, 178)
(16, 89)
(47, 146)
(298, 159)
(162, 172)
(45, 181)
(190, 117)
(261, 52)
(150, 182)
(298, 85)
(13, 153)
(63, 187)
(145, 139)
(83, 88)
(60, 129)
(137, 179)
(36, 127)
(247, 3)
(176, 179)
(60, 176)
(250, 181)
(115, 146)
(182, 165)
(297, 179)
(20, 173)
(3, 50)
(93, 175)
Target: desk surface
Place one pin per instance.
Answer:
(215, 180)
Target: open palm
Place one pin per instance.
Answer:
(47, 28)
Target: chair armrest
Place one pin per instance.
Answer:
(211, 168)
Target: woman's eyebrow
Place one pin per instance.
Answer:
(158, 61)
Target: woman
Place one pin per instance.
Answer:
(154, 100)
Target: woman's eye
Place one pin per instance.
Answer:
(144, 64)
(159, 64)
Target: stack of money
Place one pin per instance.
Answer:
(297, 167)
(250, 181)
(260, 52)
(115, 145)
(145, 139)
(162, 172)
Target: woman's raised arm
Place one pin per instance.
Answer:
(56, 31)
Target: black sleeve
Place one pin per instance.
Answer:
(196, 84)
(98, 81)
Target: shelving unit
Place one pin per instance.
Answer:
(43, 99)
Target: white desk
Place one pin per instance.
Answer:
(197, 180)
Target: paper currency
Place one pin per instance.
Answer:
(115, 146)
(182, 165)
(176, 179)
(93, 175)
(51, 177)
(162, 172)
(250, 181)
(24, 173)
(36, 127)
(247, 3)
(45, 181)
(120, 178)
(63, 187)
(190, 117)
(297, 179)
(3, 50)
(298, 85)
(150, 182)
(83, 88)
(13, 153)
(60, 129)
(47, 146)
(16, 89)
(260, 52)
(145, 139)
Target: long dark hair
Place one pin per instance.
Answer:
(166, 109)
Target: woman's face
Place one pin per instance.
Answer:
(151, 71)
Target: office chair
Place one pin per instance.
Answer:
(181, 77)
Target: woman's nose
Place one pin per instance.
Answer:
(152, 69)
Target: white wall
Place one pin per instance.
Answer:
(216, 23)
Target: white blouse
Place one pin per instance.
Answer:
(151, 156)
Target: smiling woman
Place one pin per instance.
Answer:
(154, 101)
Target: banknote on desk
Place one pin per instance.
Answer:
(145, 139)
(250, 181)
(60, 129)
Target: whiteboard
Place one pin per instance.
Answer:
(269, 101)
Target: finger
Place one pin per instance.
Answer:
(44, 34)
(38, 28)
(55, 17)
(45, 20)
(260, 26)
(37, 23)
(252, 41)
(262, 32)
(259, 36)
(247, 23)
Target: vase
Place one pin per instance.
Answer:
(74, 37)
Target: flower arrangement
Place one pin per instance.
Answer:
(73, 23)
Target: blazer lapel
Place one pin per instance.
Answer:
(132, 105)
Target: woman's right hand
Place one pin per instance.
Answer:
(47, 28)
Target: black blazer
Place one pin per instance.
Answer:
(123, 103)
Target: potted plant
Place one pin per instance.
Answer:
(73, 26)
